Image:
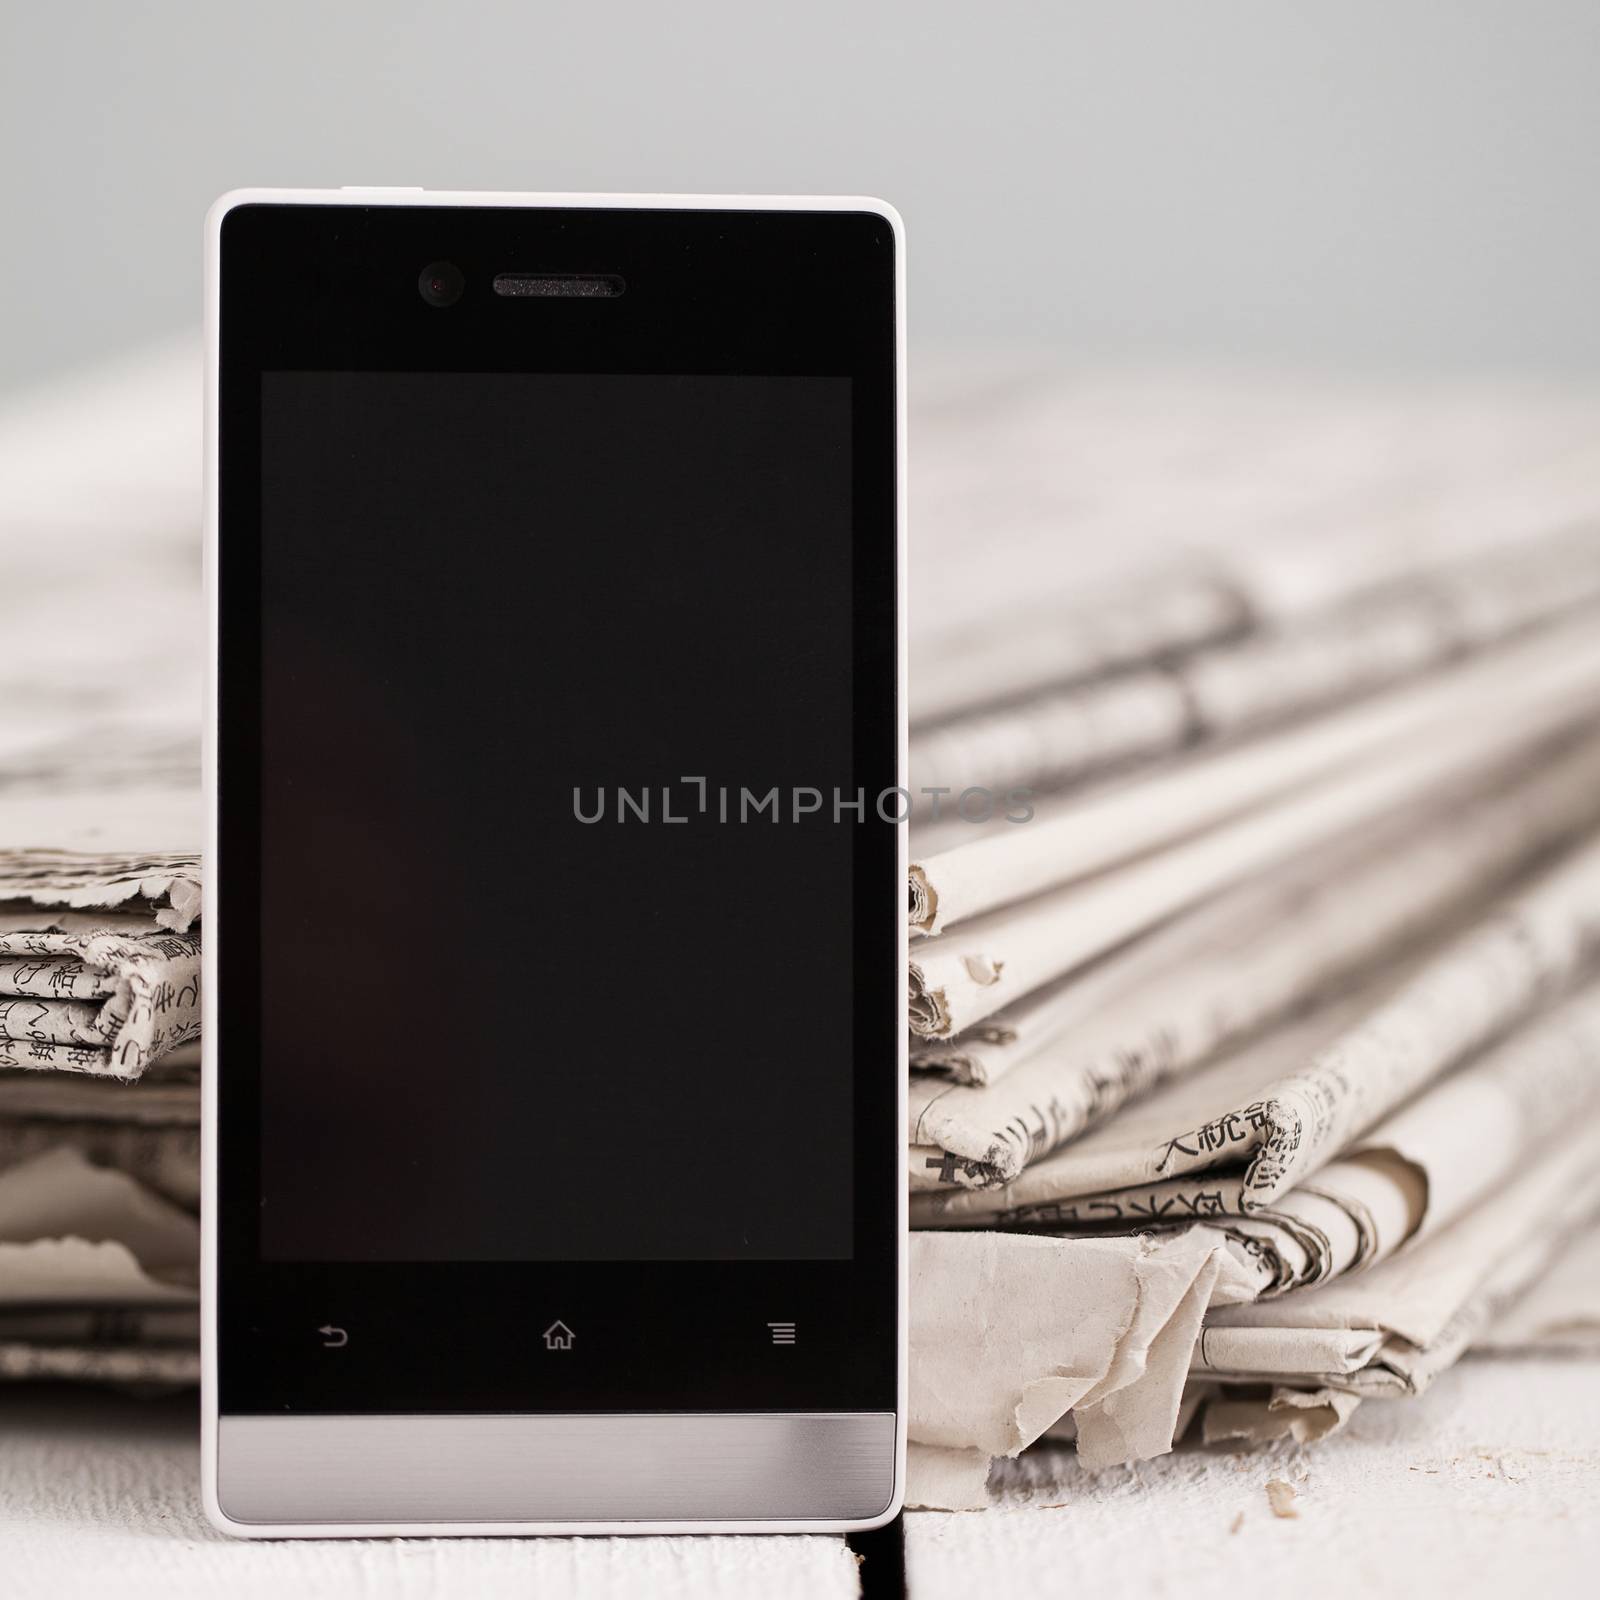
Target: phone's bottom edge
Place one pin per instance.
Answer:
(421, 1476)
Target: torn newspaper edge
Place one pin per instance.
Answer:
(1302, 1415)
(165, 886)
(1009, 1333)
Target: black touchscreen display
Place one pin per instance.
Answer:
(556, 719)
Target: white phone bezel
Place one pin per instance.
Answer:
(209, 1397)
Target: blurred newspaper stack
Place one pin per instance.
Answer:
(100, 879)
(1257, 1071)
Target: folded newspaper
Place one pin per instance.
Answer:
(1257, 1075)
(99, 971)
(99, 1117)
(99, 1235)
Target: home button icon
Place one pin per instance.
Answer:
(558, 1336)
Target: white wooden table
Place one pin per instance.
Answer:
(1490, 1484)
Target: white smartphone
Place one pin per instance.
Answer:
(555, 966)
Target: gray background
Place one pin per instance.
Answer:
(1396, 185)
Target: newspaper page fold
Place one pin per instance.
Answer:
(980, 967)
(1445, 1151)
(1201, 985)
(101, 1003)
(1390, 1331)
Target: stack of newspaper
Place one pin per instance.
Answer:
(99, 1116)
(1255, 907)
(100, 879)
(1255, 948)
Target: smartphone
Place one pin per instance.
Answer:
(554, 930)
